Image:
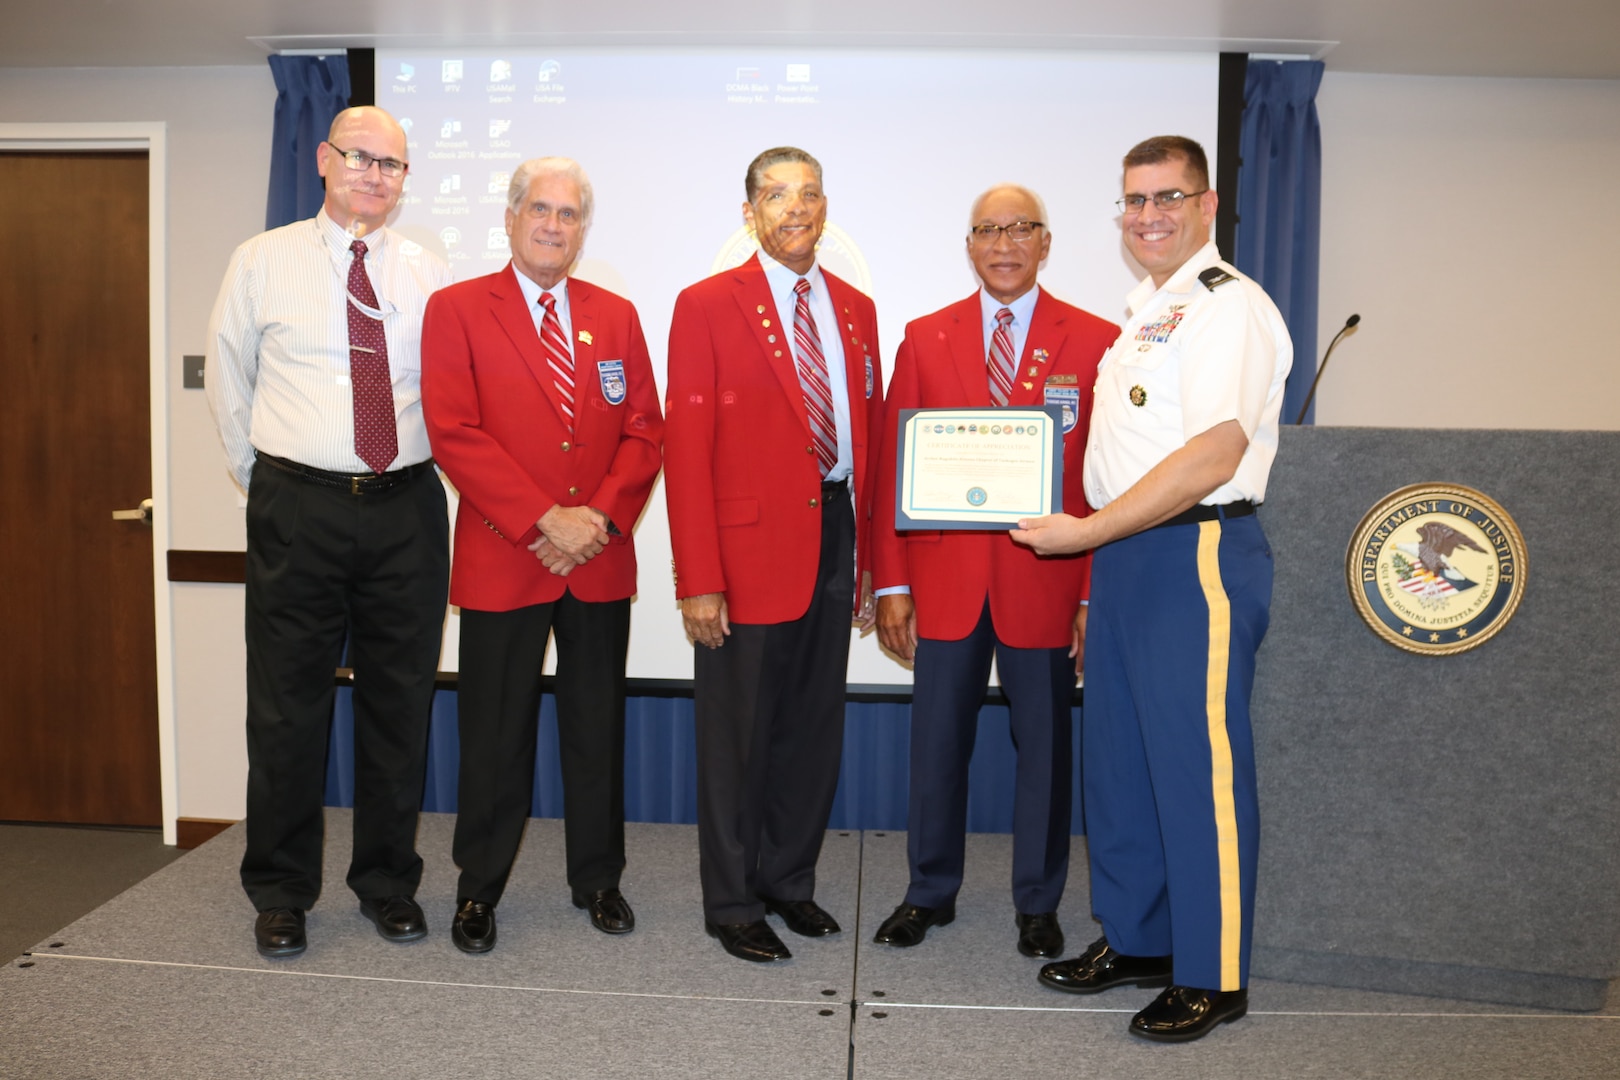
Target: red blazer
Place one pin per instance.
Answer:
(497, 432)
(740, 471)
(941, 364)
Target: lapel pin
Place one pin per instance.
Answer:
(585, 337)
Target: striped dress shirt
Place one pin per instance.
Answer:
(277, 368)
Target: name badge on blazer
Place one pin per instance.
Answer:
(1066, 398)
(611, 372)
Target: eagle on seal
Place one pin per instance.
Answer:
(1435, 544)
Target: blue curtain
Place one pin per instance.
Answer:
(660, 764)
(310, 92)
(1279, 231)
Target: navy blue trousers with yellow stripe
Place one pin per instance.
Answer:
(1172, 821)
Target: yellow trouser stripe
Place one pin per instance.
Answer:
(1220, 752)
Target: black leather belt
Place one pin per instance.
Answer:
(834, 487)
(361, 484)
(1193, 515)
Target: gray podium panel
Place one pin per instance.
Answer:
(1443, 825)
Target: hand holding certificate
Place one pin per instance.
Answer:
(977, 468)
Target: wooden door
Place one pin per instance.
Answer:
(78, 707)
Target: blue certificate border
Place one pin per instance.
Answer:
(967, 517)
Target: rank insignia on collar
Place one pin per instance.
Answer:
(1138, 396)
(585, 337)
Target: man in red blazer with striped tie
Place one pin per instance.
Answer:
(542, 412)
(949, 600)
(775, 407)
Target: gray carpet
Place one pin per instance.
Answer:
(163, 982)
(55, 874)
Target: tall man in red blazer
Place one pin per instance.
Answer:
(542, 411)
(775, 408)
(949, 600)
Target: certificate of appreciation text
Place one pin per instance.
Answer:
(977, 468)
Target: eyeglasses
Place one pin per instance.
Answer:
(1164, 200)
(1018, 232)
(360, 161)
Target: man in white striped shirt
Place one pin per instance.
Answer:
(313, 375)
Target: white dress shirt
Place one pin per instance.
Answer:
(277, 366)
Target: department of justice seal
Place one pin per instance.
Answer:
(1436, 568)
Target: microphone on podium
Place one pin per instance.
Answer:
(1349, 325)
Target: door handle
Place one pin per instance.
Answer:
(142, 513)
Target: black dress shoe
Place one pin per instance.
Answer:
(909, 924)
(610, 911)
(804, 917)
(1100, 967)
(754, 941)
(279, 932)
(1184, 1013)
(398, 918)
(1040, 935)
(473, 928)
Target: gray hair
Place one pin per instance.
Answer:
(525, 174)
(777, 155)
(1040, 203)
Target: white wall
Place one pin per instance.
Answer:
(1474, 224)
(1463, 218)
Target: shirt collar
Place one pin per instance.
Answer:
(1023, 308)
(776, 273)
(531, 289)
(1181, 281)
(338, 238)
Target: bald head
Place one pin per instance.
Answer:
(359, 116)
(1014, 190)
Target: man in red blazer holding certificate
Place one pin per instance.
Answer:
(542, 412)
(775, 407)
(949, 600)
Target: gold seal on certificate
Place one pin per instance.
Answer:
(977, 468)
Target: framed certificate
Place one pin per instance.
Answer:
(977, 468)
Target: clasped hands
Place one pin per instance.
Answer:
(570, 536)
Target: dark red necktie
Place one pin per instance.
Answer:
(376, 439)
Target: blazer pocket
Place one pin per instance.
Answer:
(736, 511)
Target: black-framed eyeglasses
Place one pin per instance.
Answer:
(1164, 200)
(360, 161)
(1018, 232)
